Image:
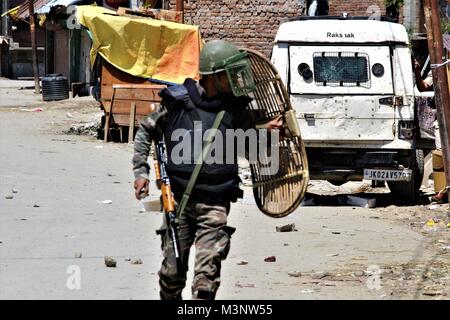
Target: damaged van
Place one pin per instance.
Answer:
(351, 83)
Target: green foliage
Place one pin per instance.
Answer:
(445, 24)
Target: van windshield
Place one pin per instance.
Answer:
(347, 69)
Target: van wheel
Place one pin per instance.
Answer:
(409, 191)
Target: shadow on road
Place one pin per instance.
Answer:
(382, 199)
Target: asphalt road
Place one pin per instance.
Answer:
(56, 215)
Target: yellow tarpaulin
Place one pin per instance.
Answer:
(142, 47)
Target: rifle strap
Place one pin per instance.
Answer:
(199, 162)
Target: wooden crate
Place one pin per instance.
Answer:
(126, 99)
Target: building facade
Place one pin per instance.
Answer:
(254, 23)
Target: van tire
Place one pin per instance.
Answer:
(409, 191)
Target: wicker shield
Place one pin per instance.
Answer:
(277, 195)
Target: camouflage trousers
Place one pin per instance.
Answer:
(204, 225)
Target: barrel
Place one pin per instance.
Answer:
(55, 87)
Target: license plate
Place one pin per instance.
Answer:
(388, 175)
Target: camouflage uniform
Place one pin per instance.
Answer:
(203, 222)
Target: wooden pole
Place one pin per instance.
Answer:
(37, 87)
(180, 7)
(440, 80)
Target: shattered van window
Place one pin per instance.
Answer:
(345, 69)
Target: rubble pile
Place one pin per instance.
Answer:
(85, 129)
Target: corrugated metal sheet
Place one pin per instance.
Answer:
(447, 41)
(24, 9)
(42, 6)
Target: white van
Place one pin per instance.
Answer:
(351, 83)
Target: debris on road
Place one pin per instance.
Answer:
(270, 259)
(335, 232)
(320, 275)
(137, 261)
(78, 255)
(295, 274)
(127, 259)
(105, 202)
(332, 255)
(110, 262)
(307, 291)
(14, 190)
(36, 206)
(359, 273)
(240, 285)
(9, 197)
(242, 263)
(32, 110)
(286, 228)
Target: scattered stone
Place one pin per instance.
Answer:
(127, 259)
(9, 197)
(332, 255)
(109, 174)
(137, 261)
(359, 273)
(270, 259)
(78, 255)
(286, 228)
(432, 293)
(295, 274)
(320, 275)
(335, 232)
(14, 190)
(286, 244)
(242, 263)
(110, 262)
(240, 285)
(36, 206)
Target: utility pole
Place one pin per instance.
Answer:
(440, 80)
(37, 87)
(5, 27)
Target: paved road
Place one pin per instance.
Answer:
(55, 214)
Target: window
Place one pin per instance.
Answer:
(345, 69)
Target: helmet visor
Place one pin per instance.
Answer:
(240, 77)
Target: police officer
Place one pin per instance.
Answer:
(224, 86)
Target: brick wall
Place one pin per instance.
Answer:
(356, 7)
(254, 23)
